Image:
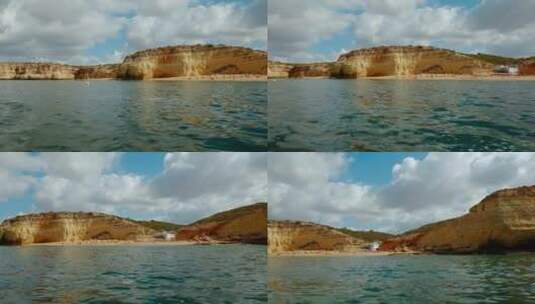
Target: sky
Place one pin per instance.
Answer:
(174, 187)
(321, 30)
(104, 31)
(390, 192)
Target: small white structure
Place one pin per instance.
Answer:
(169, 236)
(165, 235)
(507, 69)
(375, 245)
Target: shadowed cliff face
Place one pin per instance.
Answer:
(527, 68)
(503, 221)
(174, 61)
(69, 227)
(106, 71)
(287, 236)
(387, 61)
(241, 225)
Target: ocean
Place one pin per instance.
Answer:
(133, 116)
(133, 274)
(403, 279)
(401, 115)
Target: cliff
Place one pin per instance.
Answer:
(241, 225)
(503, 221)
(36, 71)
(69, 227)
(279, 69)
(527, 68)
(288, 236)
(166, 62)
(104, 71)
(410, 60)
(195, 60)
(388, 61)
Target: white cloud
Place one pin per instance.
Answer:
(294, 27)
(192, 185)
(58, 29)
(502, 27)
(170, 22)
(440, 186)
(66, 30)
(305, 186)
(14, 181)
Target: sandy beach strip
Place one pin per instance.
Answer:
(427, 77)
(122, 243)
(239, 77)
(324, 253)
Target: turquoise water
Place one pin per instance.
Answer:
(129, 274)
(402, 279)
(133, 116)
(392, 115)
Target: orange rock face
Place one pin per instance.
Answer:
(69, 227)
(505, 220)
(388, 61)
(36, 71)
(196, 60)
(410, 60)
(242, 225)
(287, 236)
(175, 61)
(106, 71)
(527, 68)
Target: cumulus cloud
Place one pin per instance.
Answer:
(440, 186)
(305, 186)
(177, 22)
(496, 26)
(191, 185)
(14, 181)
(294, 27)
(67, 30)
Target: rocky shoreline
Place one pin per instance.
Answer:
(401, 62)
(190, 62)
(503, 222)
(244, 225)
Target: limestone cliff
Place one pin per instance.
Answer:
(409, 60)
(241, 225)
(504, 220)
(69, 227)
(166, 62)
(527, 68)
(36, 71)
(288, 236)
(104, 71)
(195, 60)
(388, 61)
(279, 69)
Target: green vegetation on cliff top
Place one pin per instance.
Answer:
(231, 214)
(498, 60)
(369, 236)
(160, 226)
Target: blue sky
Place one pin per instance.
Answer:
(145, 164)
(176, 187)
(321, 30)
(374, 169)
(107, 30)
(391, 192)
